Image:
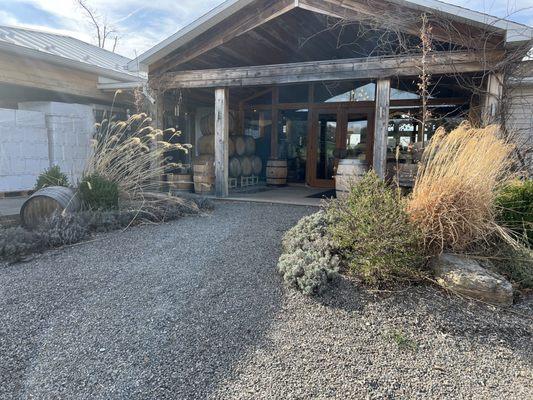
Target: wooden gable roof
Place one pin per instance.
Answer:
(259, 32)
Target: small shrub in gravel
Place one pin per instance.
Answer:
(63, 229)
(107, 221)
(309, 262)
(15, 243)
(374, 233)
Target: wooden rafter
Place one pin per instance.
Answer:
(330, 70)
(226, 32)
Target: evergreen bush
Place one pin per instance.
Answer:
(374, 233)
(99, 193)
(51, 177)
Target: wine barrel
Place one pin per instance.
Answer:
(257, 165)
(43, 203)
(205, 159)
(231, 147)
(349, 171)
(235, 169)
(240, 145)
(204, 177)
(246, 166)
(249, 145)
(276, 172)
(180, 182)
(206, 144)
(207, 123)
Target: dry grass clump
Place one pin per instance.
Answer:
(132, 154)
(454, 194)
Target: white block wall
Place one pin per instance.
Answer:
(70, 130)
(23, 149)
(39, 135)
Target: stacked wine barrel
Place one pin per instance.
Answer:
(243, 161)
(241, 150)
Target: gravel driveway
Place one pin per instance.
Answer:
(194, 309)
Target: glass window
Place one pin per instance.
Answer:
(344, 91)
(356, 137)
(294, 94)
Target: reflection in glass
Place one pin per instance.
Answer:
(327, 130)
(292, 142)
(356, 137)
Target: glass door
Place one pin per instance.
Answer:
(335, 134)
(325, 144)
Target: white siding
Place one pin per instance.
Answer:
(520, 118)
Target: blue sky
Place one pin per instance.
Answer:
(143, 23)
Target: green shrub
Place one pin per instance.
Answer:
(516, 264)
(51, 177)
(515, 206)
(99, 193)
(309, 262)
(374, 233)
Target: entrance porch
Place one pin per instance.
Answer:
(312, 88)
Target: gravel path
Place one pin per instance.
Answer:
(194, 309)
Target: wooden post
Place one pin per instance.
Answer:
(274, 131)
(221, 141)
(157, 111)
(493, 98)
(381, 126)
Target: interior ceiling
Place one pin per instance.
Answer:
(296, 36)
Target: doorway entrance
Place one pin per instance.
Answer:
(335, 134)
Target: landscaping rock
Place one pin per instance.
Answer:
(468, 277)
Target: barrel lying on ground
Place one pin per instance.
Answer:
(43, 203)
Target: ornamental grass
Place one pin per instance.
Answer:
(131, 154)
(453, 200)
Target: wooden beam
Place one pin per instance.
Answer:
(331, 70)
(221, 141)
(493, 98)
(215, 37)
(381, 126)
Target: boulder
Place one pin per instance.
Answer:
(468, 277)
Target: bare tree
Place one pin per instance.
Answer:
(103, 30)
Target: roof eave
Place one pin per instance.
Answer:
(67, 62)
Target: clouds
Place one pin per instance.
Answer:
(141, 24)
(144, 23)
